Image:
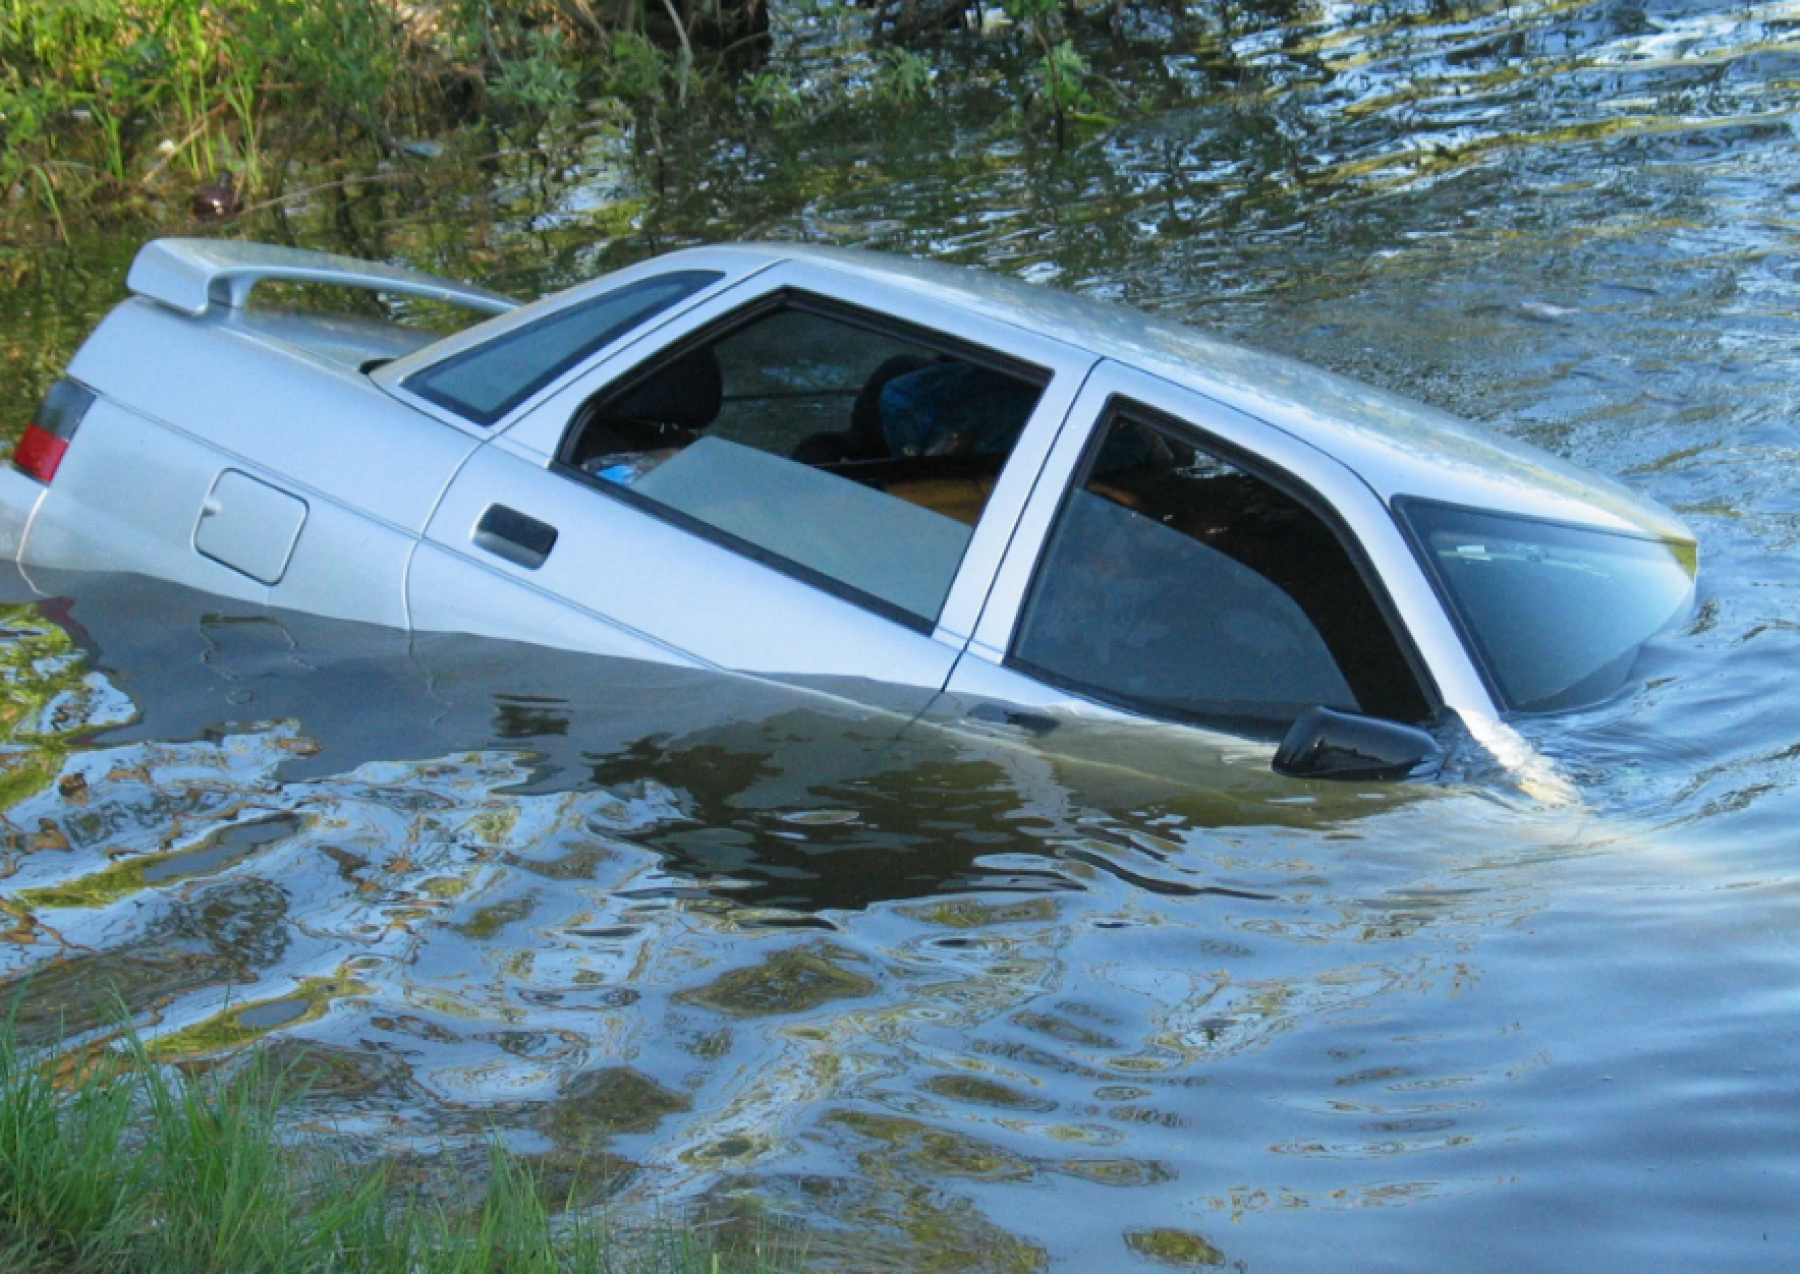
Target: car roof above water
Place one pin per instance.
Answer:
(1397, 446)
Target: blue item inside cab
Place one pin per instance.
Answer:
(954, 409)
(959, 409)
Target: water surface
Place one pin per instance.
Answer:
(950, 996)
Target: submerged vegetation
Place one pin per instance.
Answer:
(127, 109)
(107, 103)
(112, 1164)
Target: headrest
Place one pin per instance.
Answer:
(687, 393)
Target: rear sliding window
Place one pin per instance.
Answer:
(1556, 614)
(486, 381)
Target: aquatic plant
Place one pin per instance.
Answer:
(1061, 72)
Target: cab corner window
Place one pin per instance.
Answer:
(1176, 584)
(485, 382)
(835, 447)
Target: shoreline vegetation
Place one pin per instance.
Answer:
(113, 1164)
(109, 107)
(120, 110)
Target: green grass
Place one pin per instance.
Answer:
(110, 1164)
(121, 107)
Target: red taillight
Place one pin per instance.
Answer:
(39, 452)
(46, 440)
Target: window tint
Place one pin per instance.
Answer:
(842, 452)
(1177, 584)
(486, 381)
(1556, 613)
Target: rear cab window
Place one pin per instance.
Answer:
(486, 381)
(1181, 581)
(1554, 613)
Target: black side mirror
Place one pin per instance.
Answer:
(1323, 744)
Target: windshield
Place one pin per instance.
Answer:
(1556, 614)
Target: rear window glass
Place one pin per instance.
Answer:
(486, 381)
(1556, 614)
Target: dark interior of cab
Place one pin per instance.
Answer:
(919, 425)
(1203, 507)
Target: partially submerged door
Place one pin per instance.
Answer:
(812, 477)
(1185, 562)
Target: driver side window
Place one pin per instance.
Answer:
(850, 452)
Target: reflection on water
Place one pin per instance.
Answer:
(956, 996)
(681, 935)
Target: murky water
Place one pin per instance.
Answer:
(960, 999)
